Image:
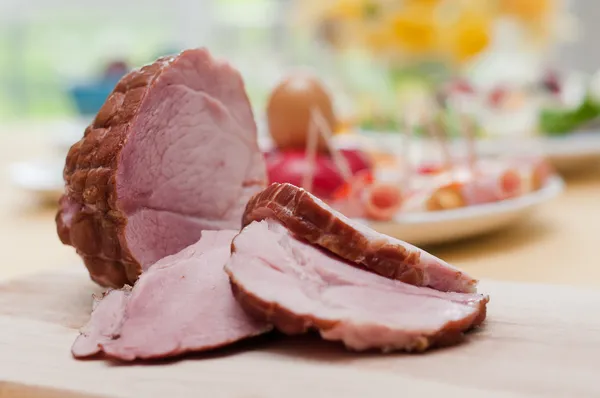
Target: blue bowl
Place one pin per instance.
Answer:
(90, 97)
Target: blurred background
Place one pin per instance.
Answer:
(55, 55)
(520, 70)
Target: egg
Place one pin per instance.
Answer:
(289, 107)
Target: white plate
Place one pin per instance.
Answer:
(64, 134)
(566, 153)
(428, 228)
(574, 151)
(43, 178)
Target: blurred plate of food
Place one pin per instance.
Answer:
(430, 228)
(562, 116)
(444, 206)
(42, 178)
(69, 133)
(418, 185)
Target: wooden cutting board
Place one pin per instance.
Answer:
(539, 340)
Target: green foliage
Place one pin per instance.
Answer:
(562, 121)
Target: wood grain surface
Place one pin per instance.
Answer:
(539, 340)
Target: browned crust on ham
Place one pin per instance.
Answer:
(97, 226)
(292, 324)
(302, 215)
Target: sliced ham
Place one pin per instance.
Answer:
(363, 197)
(534, 172)
(183, 303)
(298, 287)
(108, 312)
(172, 152)
(311, 219)
(382, 201)
(492, 182)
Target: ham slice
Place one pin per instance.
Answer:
(311, 219)
(535, 173)
(382, 201)
(183, 303)
(105, 324)
(297, 287)
(363, 197)
(492, 182)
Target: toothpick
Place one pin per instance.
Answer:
(435, 131)
(407, 126)
(467, 126)
(440, 131)
(311, 155)
(338, 159)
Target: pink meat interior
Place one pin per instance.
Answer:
(191, 160)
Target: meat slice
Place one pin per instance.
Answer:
(183, 303)
(382, 201)
(311, 219)
(108, 312)
(462, 187)
(297, 286)
(172, 152)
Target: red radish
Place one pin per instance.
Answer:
(291, 165)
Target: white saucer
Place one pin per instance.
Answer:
(428, 228)
(43, 178)
(566, 153)
(573, 151)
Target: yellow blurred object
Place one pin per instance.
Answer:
(429, 3)
(379, 38)
(528, 10)
(538, 16)
(344, 126)
(415, 28)
(451, 31)
(350, 9)
(469, 35)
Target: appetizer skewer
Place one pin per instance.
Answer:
(312, 140)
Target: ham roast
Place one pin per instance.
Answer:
(183, 303)
(172, 152)
(297, 286)
(311, 219)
